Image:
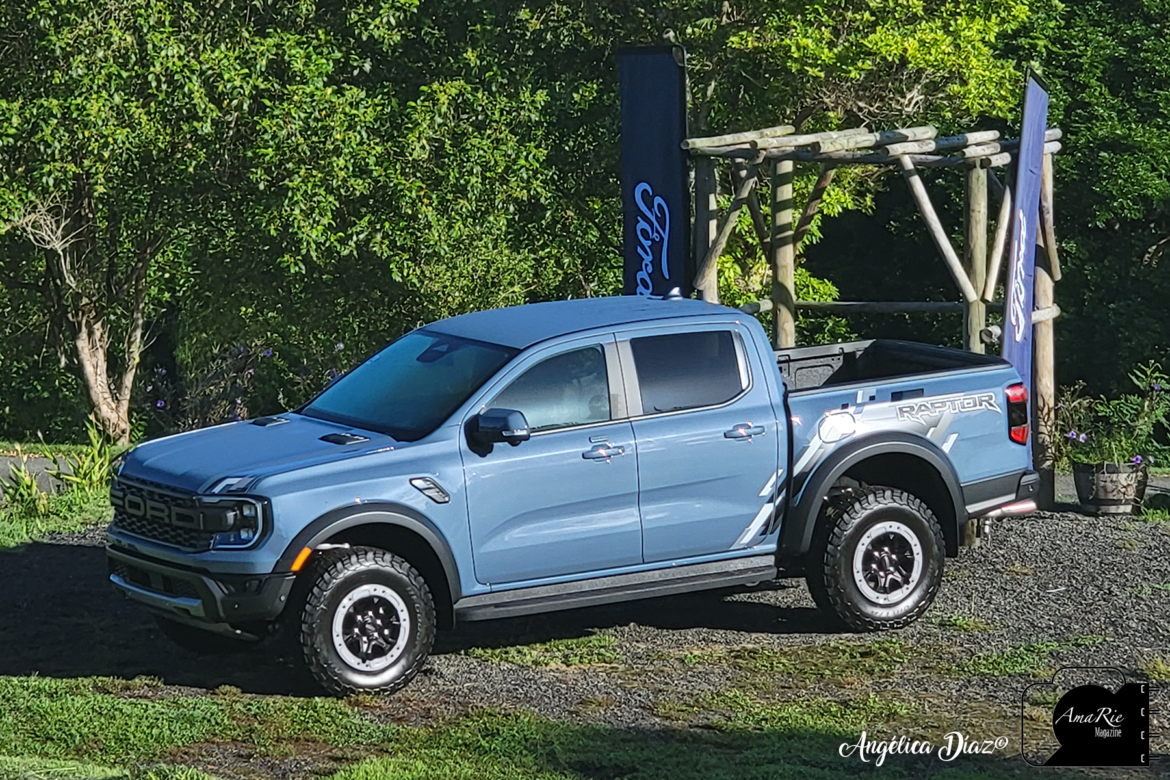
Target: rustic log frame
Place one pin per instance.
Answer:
(975, 271)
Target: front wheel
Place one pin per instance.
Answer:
(877, 562)
(368, 622)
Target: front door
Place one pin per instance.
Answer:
(565, 501)
(708, 443)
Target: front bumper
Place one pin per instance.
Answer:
(195, 596)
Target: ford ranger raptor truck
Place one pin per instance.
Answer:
(558, 455)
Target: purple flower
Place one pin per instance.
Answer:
(267, 353)
(339, 346)
(1137, 459)
(1082, 438)
(149, 388)
(1072, 435)
(249, 372)
(162, 372)
(160, 403)
(1157, 385)
(330, 373)
(239, 401)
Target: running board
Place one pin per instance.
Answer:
(618, 587)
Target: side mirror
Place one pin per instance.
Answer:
(501, 425)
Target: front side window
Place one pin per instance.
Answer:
(687, 370)
(409, 388)
(567, 389)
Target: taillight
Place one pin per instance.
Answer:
(1017, 413)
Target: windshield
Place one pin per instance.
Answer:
(410, 387)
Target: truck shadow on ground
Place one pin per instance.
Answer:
(59, 617)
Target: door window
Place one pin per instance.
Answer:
(687, 370)
(567, 389)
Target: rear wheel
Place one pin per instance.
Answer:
(368, 622)
(877, 560)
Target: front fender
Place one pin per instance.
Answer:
(796, 535)
(338, 520)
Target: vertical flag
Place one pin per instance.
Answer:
(655, 196)
(1017, 339)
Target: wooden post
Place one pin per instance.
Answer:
(975, 256)
(783, 256)
(999, 245)
(1044, 368)
(937, 232)
(706, 218)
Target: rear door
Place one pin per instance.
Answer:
(564, 502)
(708, 440)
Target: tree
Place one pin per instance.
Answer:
(123, 125)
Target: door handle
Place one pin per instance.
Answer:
(744, 431)
(603, 452)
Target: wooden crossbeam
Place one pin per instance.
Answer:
(732, 139)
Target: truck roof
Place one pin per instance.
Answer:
(522, 326)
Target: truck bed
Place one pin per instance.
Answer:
(833, 365)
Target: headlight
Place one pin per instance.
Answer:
(237, 523)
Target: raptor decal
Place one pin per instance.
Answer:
(959, 404)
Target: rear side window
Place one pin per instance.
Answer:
(686, 370)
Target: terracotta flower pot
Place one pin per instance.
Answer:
(1111, 488)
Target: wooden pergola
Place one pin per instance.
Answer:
(773, 153)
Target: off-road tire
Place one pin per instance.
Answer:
(338, 574)
(201, 642)
(841, 527)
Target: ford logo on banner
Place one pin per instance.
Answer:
(655, 196)
(653, 228)
(1017, 345)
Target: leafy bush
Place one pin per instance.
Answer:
(90, 469)
(1119, 430)
(22, 494)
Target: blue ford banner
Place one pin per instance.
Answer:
(1017, 340)
(655, 195)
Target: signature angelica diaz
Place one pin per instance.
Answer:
(955, 743)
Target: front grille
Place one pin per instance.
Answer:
(159, 583)
(164, 533)
(156, 529)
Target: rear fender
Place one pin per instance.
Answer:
(944, 496)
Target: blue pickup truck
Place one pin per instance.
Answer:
(559, 455)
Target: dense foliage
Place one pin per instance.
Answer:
(210, 205)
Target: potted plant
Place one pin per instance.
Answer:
(1111, 443)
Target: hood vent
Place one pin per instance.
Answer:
(344, 438)
(264, 422)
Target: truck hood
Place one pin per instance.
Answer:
(195, 460)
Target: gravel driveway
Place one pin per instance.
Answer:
(1078, 590)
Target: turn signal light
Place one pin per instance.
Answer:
(1017, 413)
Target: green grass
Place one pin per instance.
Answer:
(575, 651)
(75, 728)
(1156, 669)
(70, 511)
(38, 449)
(809, 662)
(88, 720)
(1031, 659)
